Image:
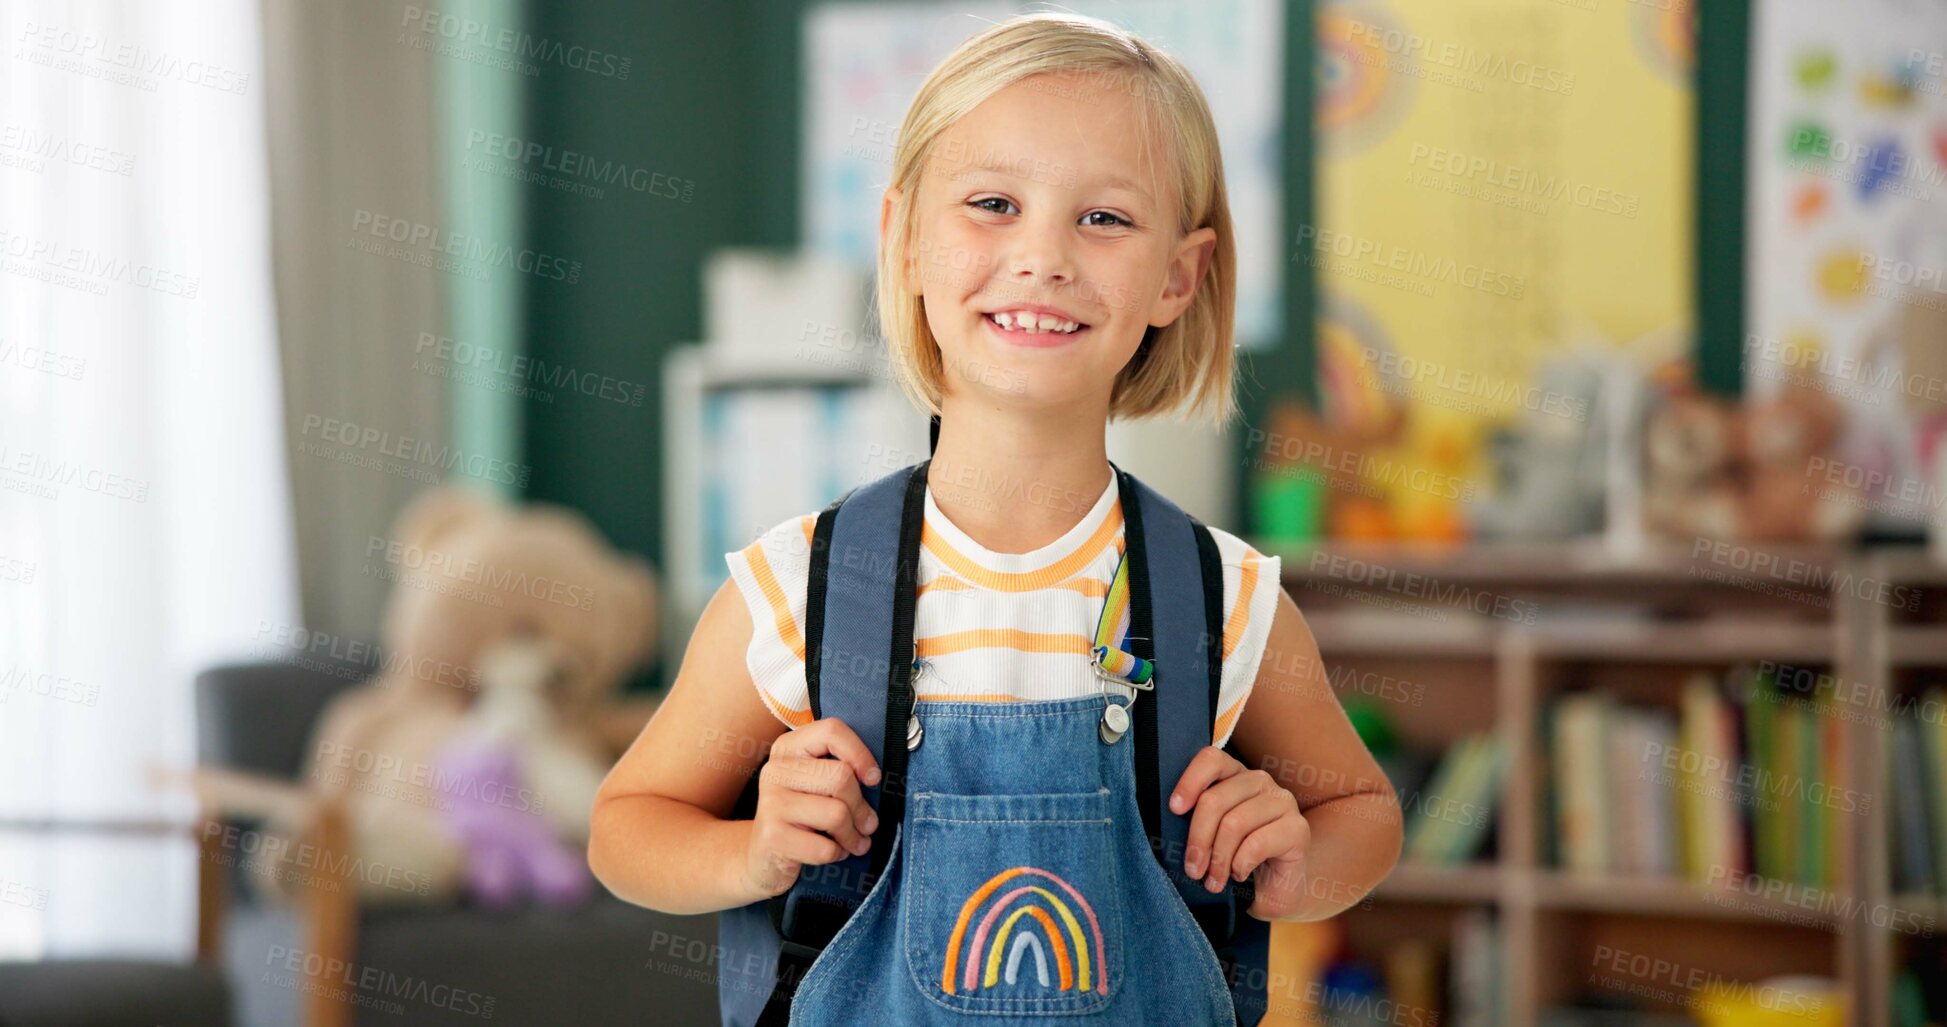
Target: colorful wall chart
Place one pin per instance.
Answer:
(864, 62)
(1848, 213)
(1499, 181)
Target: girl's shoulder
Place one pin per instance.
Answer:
(771, 573)
(1252, 582)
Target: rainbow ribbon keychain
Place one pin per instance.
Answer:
(1112, 661)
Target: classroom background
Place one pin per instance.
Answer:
(1594, 378)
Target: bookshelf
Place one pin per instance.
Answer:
(1633, 626)
(1902, 650)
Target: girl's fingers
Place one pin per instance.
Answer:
(821, 777)
(1212, 803)
(829, 736)
(1285, 833)
(1255, 812)
(1208, 766)
(808, 848)
(827, 815)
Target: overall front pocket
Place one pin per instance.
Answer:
(1015, 904)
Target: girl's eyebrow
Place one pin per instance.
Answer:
(1000, 166)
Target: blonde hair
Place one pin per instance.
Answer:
(1188, 364)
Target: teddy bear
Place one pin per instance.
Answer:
(1718, 469)
(506, 630)
(1785, 499)
(468, 764)
(1691, 452)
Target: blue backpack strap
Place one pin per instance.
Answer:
(1180, 628)
(858, 667)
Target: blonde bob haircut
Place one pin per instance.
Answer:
(1186, 367)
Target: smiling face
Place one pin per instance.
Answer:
(1045, 242)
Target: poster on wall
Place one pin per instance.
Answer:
(865, 61)
(1848, 236)
(1502, 185)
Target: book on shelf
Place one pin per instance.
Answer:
(1917, 820)
(1450, 815)
(1474, 988)
(1911, 822)
(1740, 776)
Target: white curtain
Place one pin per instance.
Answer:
(144, 519)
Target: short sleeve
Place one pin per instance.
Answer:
(1252, 582)
(770, 574)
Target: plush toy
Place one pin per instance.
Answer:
(470, 760)
(1691, 455)
(1549, 468)
(1722, 470)
(512, 850)
(1785, 498)
(497, 609)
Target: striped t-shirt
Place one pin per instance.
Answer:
(1002, 627)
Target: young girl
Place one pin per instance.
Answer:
(1056, 251)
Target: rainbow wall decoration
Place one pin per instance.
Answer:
(1078, 966)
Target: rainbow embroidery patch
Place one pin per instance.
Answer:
(1077, 965)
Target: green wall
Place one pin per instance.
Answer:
(707, 100)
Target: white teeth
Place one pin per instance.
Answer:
(1028, 321)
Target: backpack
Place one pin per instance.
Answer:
(859, 668)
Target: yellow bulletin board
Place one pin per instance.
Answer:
(1498, 180)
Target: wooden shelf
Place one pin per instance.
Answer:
(1415, 882)
(1628, 624)
(1706, 642)
(1674, 897)
(1921, 905)
(1563, 891)
(1908, 565)
(1562, 563)
(1917, 646)
(1342, 633)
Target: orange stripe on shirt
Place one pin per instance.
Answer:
(787, 625)
(1002, 638)
(1024, 581)
(1223, 722)
(1240, 615)
(1093, 588)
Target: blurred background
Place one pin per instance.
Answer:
(380, 384)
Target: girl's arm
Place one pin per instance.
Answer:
(1293, 737)
(658, 837)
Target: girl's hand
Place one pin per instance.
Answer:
(1244, 821)
(809, 807)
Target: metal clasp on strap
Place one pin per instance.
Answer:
(1115, 719)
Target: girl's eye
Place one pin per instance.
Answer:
(1002, 200)
(1114, 219)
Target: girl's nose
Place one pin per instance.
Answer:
(1042, 254)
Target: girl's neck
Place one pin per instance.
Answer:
(1016, 480)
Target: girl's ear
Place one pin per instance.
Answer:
(1187, 267)
(889, 205)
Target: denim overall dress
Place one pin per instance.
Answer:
(1013, 878)
(1020, 887)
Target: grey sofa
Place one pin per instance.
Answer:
(323, 962)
